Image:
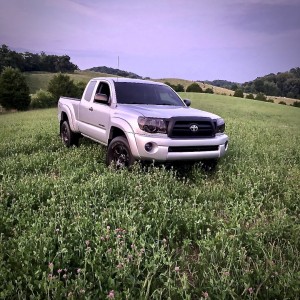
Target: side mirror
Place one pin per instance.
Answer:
(187, 102)
(102, 98)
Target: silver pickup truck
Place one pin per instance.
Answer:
(141, 120)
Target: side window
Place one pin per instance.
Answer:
(89, 91)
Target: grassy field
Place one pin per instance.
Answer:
(73, 228)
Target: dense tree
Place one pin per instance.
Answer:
(270, 88)
(62, 85)
(116, 72)
(42, 99)
(179, 88)
(282, 84)
(224, 83)
(31, 62)
(194, 87)
(35, 62)
(10, 58)
(295, 72)
(291, 88)
(259, 85)
(80, 88)
(296, 104)
(261, 97)
(234, 87)
(14, 91)
(250, 96)
(209, 91)
(238, 93)
(176, 88)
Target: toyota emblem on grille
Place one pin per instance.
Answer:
(194, 128)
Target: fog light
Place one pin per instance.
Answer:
(148, 147)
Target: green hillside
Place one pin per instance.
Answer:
(40, 80)
(114, 72)
(73, 228)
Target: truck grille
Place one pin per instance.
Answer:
(193, 148)
(191, 127)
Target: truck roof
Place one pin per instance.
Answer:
(123, 79)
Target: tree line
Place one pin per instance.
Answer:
(192, 88)
(223, 84)
(285, 84)
(117, 72)
(14, 91)
(29, 62)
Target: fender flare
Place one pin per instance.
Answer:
(123, 125)
(70, 115)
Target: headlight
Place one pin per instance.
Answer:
(220, 126)
(152, 125)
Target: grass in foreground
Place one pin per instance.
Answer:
(71, 227)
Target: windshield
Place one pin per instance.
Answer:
(142, 93)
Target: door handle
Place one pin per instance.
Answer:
(91, 109)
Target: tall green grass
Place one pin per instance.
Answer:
(73, 228)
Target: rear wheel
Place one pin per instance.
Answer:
(119, 154)
(68, 137)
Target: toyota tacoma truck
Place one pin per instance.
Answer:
(141, 120)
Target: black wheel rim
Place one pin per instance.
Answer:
(64, 133)
(120, 156)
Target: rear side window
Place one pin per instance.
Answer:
(89, 90)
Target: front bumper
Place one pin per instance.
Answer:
(162, 148)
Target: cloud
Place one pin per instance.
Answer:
(268, 17)
(183, 38)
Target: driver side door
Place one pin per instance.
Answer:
(94, 115)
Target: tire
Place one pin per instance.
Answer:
(119, 153)
(69, 138)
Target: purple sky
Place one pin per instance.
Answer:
(236, 40)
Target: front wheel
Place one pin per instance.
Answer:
(68, 137)
(119, 154)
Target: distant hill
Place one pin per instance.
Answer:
(116, 72)
(223, 84)
(286, 84)
(203, 84)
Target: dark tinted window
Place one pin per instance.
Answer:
(103, 88)
(89, 91)
(140, 93)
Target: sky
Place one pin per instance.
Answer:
(235, 40)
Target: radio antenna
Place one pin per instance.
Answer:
(118, 67)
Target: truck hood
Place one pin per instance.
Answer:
(164, 111)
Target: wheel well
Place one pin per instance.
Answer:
(114, 132)
(63, 118)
